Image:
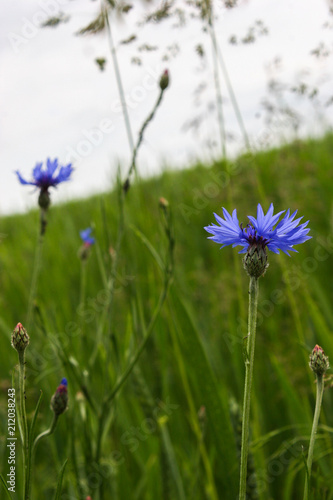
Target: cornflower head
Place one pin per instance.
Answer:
(164, 80)
(46, 178)
(265, 231)
(87, 241)
(20, 338)
(59, 401)
(319, 362)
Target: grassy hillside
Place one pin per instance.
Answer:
(168, 433)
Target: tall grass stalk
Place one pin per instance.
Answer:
(118, 78)
(219, 101)
(249, 361)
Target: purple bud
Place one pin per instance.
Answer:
(59, 401)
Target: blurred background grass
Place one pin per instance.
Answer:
(163, 440)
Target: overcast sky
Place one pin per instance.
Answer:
(57, 103)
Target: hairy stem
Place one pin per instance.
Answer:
(319, 399)
(35, 273)
(249, 361)
(46, 433)
(24, 424)
(140, 138)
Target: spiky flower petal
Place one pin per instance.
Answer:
(264, 231)
(45, 178)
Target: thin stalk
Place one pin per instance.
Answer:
(35, 272)
(83, 284)
(24, 424)
(249, 361)
(319, 399)
(219, 101)
(119, 80)
(140, 138)
(122, 379)
(46, 433)
(232, 94)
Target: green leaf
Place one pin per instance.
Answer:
(5, 486)
(213, 396)
(60, 479)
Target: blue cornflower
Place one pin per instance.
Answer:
(44, 179)
(86, 238)
(263, 231)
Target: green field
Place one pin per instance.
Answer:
(171, 431)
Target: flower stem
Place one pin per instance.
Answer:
(83, 283)
(24, 423)
(252, 323)
(36, 269)
(319, 398)
(140, 138)
(46, 433)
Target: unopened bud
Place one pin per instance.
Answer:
(163, 202)
(164, 80)
(20, 338)
(59, 401)
(319, 362)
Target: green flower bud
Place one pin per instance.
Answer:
(319, 362)
(164, 80)
(20, 338)
(44, 199)
(255, 260)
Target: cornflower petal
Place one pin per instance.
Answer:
(265, 230)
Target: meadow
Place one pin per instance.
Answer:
(163, 305)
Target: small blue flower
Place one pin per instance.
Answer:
(260, 231)
(86, 238)
(45, 178)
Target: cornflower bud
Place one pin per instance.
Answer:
(164, 80)
(59, 401)
(319, 362)
(20, 338)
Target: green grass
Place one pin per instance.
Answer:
(155, 446)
